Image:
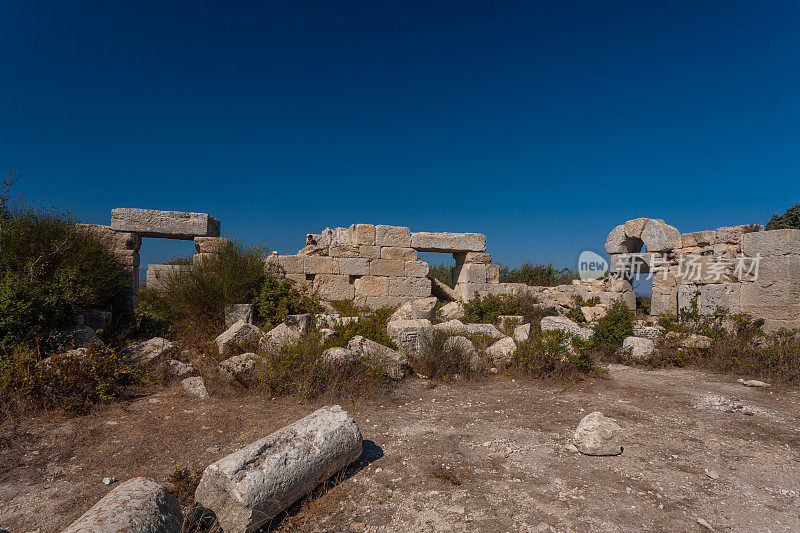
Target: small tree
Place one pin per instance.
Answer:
(789, 220)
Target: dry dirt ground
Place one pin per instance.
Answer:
(479, 456)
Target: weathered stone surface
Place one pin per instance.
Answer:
(115, 240)
(164, 224)
(467, 349)
(289, 331)
(408, 335)
(198, 258)
(249, 487)
(565, 324)
(413, 287)
(618, 242)
(76, 337)
(470, 273)
(147, 351)
(483, 329)
(196, 387)
(352, 266)
(422, 308)
(501, 353)
(440, 289)
(472, 257)
(139, 505)
(335, 357)
(236, 366)
(333, 287)
(317, 265)
(361, 234)
(396, 252)
(239, 336)
(416, 269)
(235, 312)
(699, 238)
(493, 274)
(370, 252)
(660, 237)
(344, 250)
(522, 333)
(451, 311)
(594, 312)
(772, 242)
(127, 257)
(392, 362)
(638, 348)
(453, 327)
(734, 234)
(392, 236)
(209, 245)
(695, 341)
(181, 369)
(371, 286)
(598, 435)
(508, 321)
(290, 264)
(425, 241)
(635, 227)
(386, 267)
(378, 302)
(158, 276)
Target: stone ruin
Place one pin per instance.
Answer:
(742, 269)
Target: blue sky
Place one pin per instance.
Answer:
(541, 124)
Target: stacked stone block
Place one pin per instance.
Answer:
(125, 246)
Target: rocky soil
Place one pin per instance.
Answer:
(700, 451)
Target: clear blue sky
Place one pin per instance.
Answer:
(540, 124)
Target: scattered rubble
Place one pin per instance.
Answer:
(598, 435)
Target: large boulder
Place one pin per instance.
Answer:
(638, 348)
(467, 350)
(408, 335)
(147, 351)
(424, 308)
(335, 357)
(236, 312)
(451, 311)
(484, 329)
(180, 369)
(289, 331)
(659, 236)
(139, 505)
(501, 353)
(566, 325)
(195, 386)
(249, 487)
(391, 362)
(239, 336)
(522, 333)
(238, 365)
(598, 435)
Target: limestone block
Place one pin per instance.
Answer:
(370, 252)
(408, 335)
(127, 257)
(416, 269)
(772, 242)
(340, 236)
(522, 333)
(638, 348)
(425, 241)
(442, 290)
(392, 236)
(488, 330)
(501, 353)
(299, 279)
(115, 240)
(236, 312)
(139, 505)
(396, 252)
(778, 268)
(660, 237)
(235, 367)
(416, 287)
(472, 257)
(289, 331)
(344, 250)
(159, 275)
(725, 296)
(774, 301)
(325, 237)
(392, 362)
(595, 312)
(146, 351)
(164, 224)
(372, 286)
(453, 327)
(662, 303)
(386, 267)
(493, 274)
(317, 265)
(635, 227)
(290, 264)
(699, 238)
(209, 245)
(352, 266)
(249, 487)
(598, 435)
(734, 234)
(565, 324)
(451, 311)
(424, 308)
(470, 273)
(314, 249)
(333, 287)
(618, 242)
(379, 302)
(239, 336)
(468, 351)
(361, 234)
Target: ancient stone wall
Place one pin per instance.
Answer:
(742, 269)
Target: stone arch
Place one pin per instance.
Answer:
(633, 235)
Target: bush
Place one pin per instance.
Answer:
(611, 330)
(50, 271)
(438, 361)
(196, 296)
(537, 274)
(443, 272)
(554, 354)
(348, 308)
(371, 326)
(789, 220)
(71, 382)
(279, 299)
(485, 310)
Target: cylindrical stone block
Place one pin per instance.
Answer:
(249, 487)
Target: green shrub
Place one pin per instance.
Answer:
(537, 274)
(196, 296)
(71, 382)
(643, 304)
(789, 220)
(438, 361)
(279, 299)
(348, 308)
(371, 326)
(485, 310)
(548, 354)
(611, 330)
(49, 270)
(443, 272)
